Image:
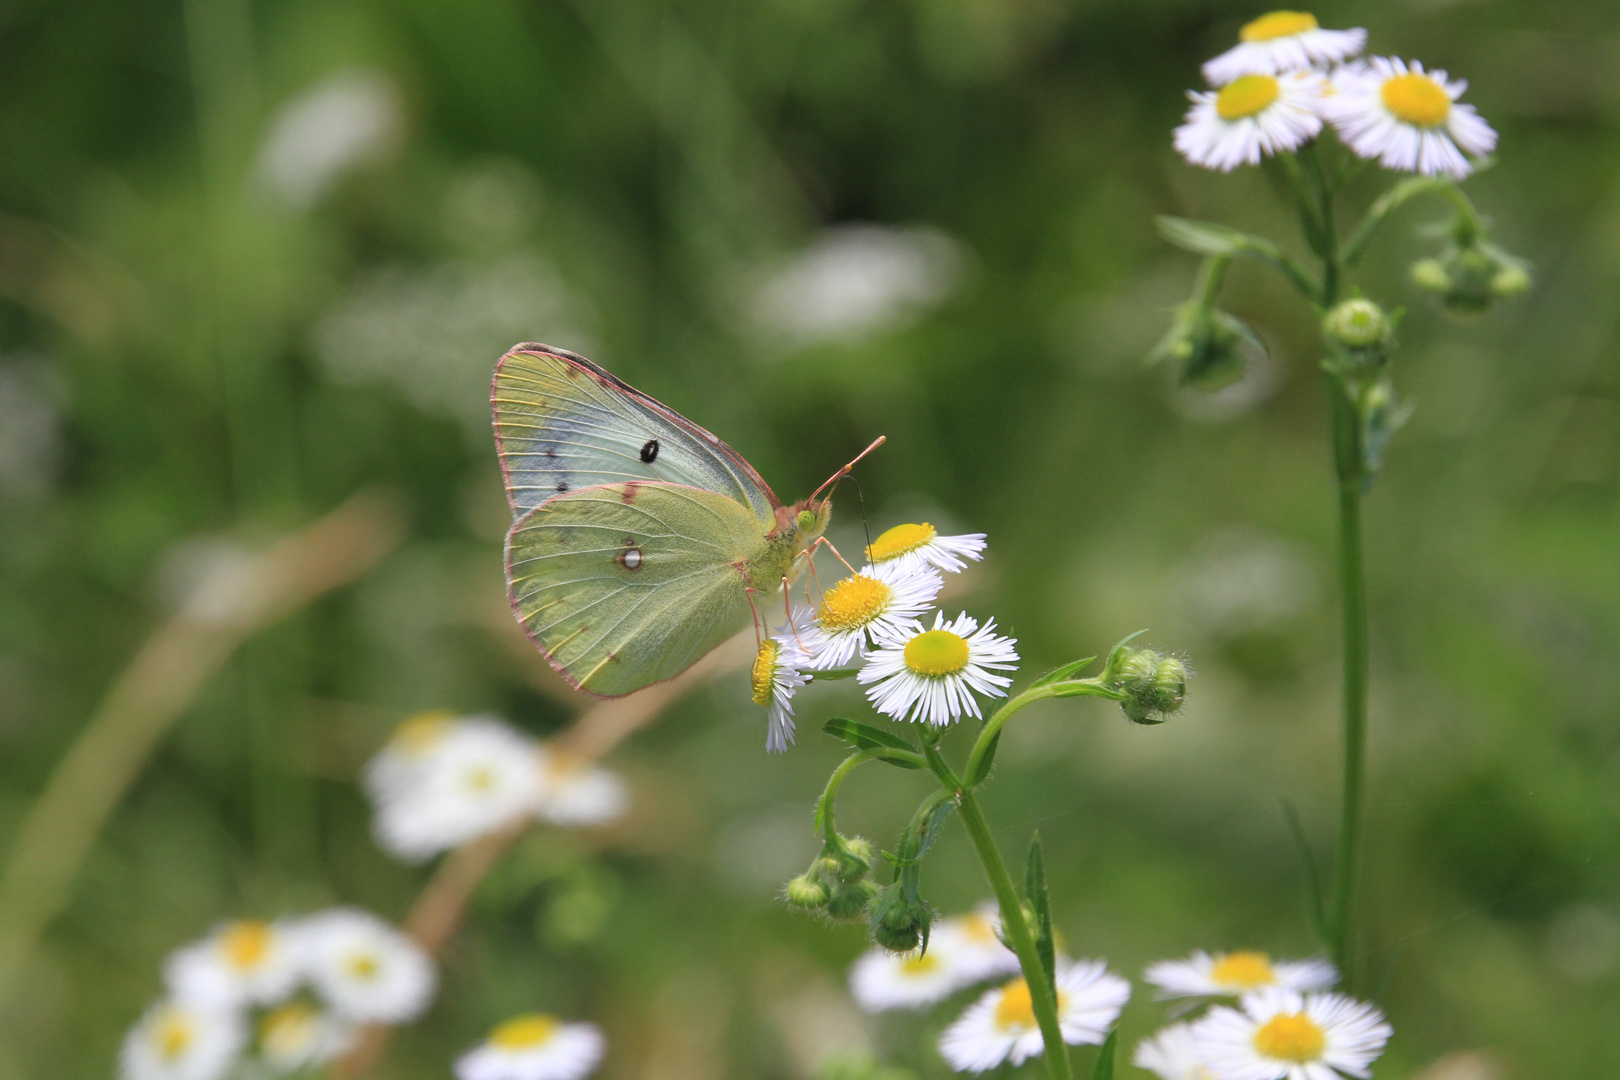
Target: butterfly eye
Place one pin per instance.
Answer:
(806, 520)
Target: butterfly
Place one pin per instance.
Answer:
(638, 538)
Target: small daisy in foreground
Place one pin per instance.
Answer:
(366, 969)
(1234, 973)
(1408, 118)
(777, 675)
(244, 962)
(881, 980)
(912, 547)
(534, 1047)
(1001, 1025)
(300, 1035)
(1251, 117)
(1281, 1035)
(1280, 42)
(1171, 1053)
(179, 1041)
(877, 603)
(577, 793)
(977, 953)
(931, 676)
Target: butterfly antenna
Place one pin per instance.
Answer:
(841, 473)
(860, 497)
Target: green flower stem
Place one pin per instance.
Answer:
(824, 808)
(1386, 204)
(1353, 584)
(992, 727)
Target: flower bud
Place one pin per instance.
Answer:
(1510, 281)
(1154, 684)
(1211, 347)
(849, 900)
(804, 893)
(1357, 324)
(1469, 278)
(857, 860)
(1430, 275)
(897, 923)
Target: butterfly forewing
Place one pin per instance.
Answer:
(628, 584)
(562, 424)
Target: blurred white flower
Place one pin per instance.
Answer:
(854, 281)
(1171, 1053)
(976, 949)
(917, 545)
(365, 969)
(777, 674)
(181, 1041)
(1408, 118)
(350, 119)
(1253, 116)
(299, 1036)
(247, 962)
(1283, 41)
(931, 676)
(881, 980)
(534, 1047)
(440, 783)
(1239, 581)
(579, 794)
(1233, 973)
(1001, 1025)
(1281, 1035)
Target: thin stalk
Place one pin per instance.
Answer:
(1353, 585)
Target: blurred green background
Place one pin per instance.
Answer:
(257, 256)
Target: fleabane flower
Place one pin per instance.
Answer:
(1001, 1025)
(1171, 1053)
(881, 980)
(299, 1035)
(1407, 118)
(915, 546)
(976, 951)
(247, 962)
(879, 602)
(1251, 117)
(365, 969)
(1282, 1035)
(1233, 973)
(534, 1047)
(407, 752)
(576, 793)
(472, 776)
(930, 676)
(178, 1040)
(778, 674)
(1280, 42)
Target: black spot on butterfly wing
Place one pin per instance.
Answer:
(562, 486)
(649, 451)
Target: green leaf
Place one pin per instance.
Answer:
(1202, 237)
(1104, 1069)
(982, 770)
(1315, 912)
(1035, 893)
(932, 823)
(865, 736)
(835, 674)
(1063, 672)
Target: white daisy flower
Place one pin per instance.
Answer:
(1280, 42)
(241, 963)
(930, 676)
(1407, 118)
(477, 776)
(1001, 1025)
(1171, 1053)
(534, 1047)
(578, 793)
(879, 602)
(975, 949)
(881, 980)
(1251, 117)
(411, 747)
(913, 547)
(182, 1041)
(777, 676)
(1282, 1035)
(1234, 973)
(299, 1036)
(365, 969)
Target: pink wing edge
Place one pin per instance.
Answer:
(602, 375)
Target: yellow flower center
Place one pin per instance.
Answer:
(364, 966)
(174, 1035)
(765, 671)
(1291, 1037)
(898, 541)
(1417, 99)
(287, 1029)
(1243, 970)
(936, 652)
(1246, 95)
(1278, 24)
(919, 965)
(245, 944)
(421, 732)
(1016, 1009)
(978, 928)
(479, 778)
(525, 1032)
(853, 602)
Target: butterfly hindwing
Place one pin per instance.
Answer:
(563, 424)
(623, 585)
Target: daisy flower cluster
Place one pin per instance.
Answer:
(1288, 77)
(912, 671)
(287, 996)
(443, 780)
(1287, 1023)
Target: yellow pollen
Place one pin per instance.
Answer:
(419, 734)
(1278, 24)
(174, 1036)
(765, 671)
(245, 944)
(363, 966)
(1243, 970)
(853, 602)
(1291, 1037)
(978, 928)
(899, 540)
(936, 652)
(288, 1027)
(1016, 1009)
(1416, 99)
(525, 1032)
(1245, 96)
(919, 965)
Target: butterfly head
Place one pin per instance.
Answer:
(807, 520)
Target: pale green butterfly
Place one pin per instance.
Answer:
(638, 536)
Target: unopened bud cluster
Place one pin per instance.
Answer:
(1212, 348)
(1471, 274)
(836, 885)
(1359, 334)
(1154, 685)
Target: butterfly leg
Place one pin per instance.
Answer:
(759, 639)
(823, 541)
(787, 603)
